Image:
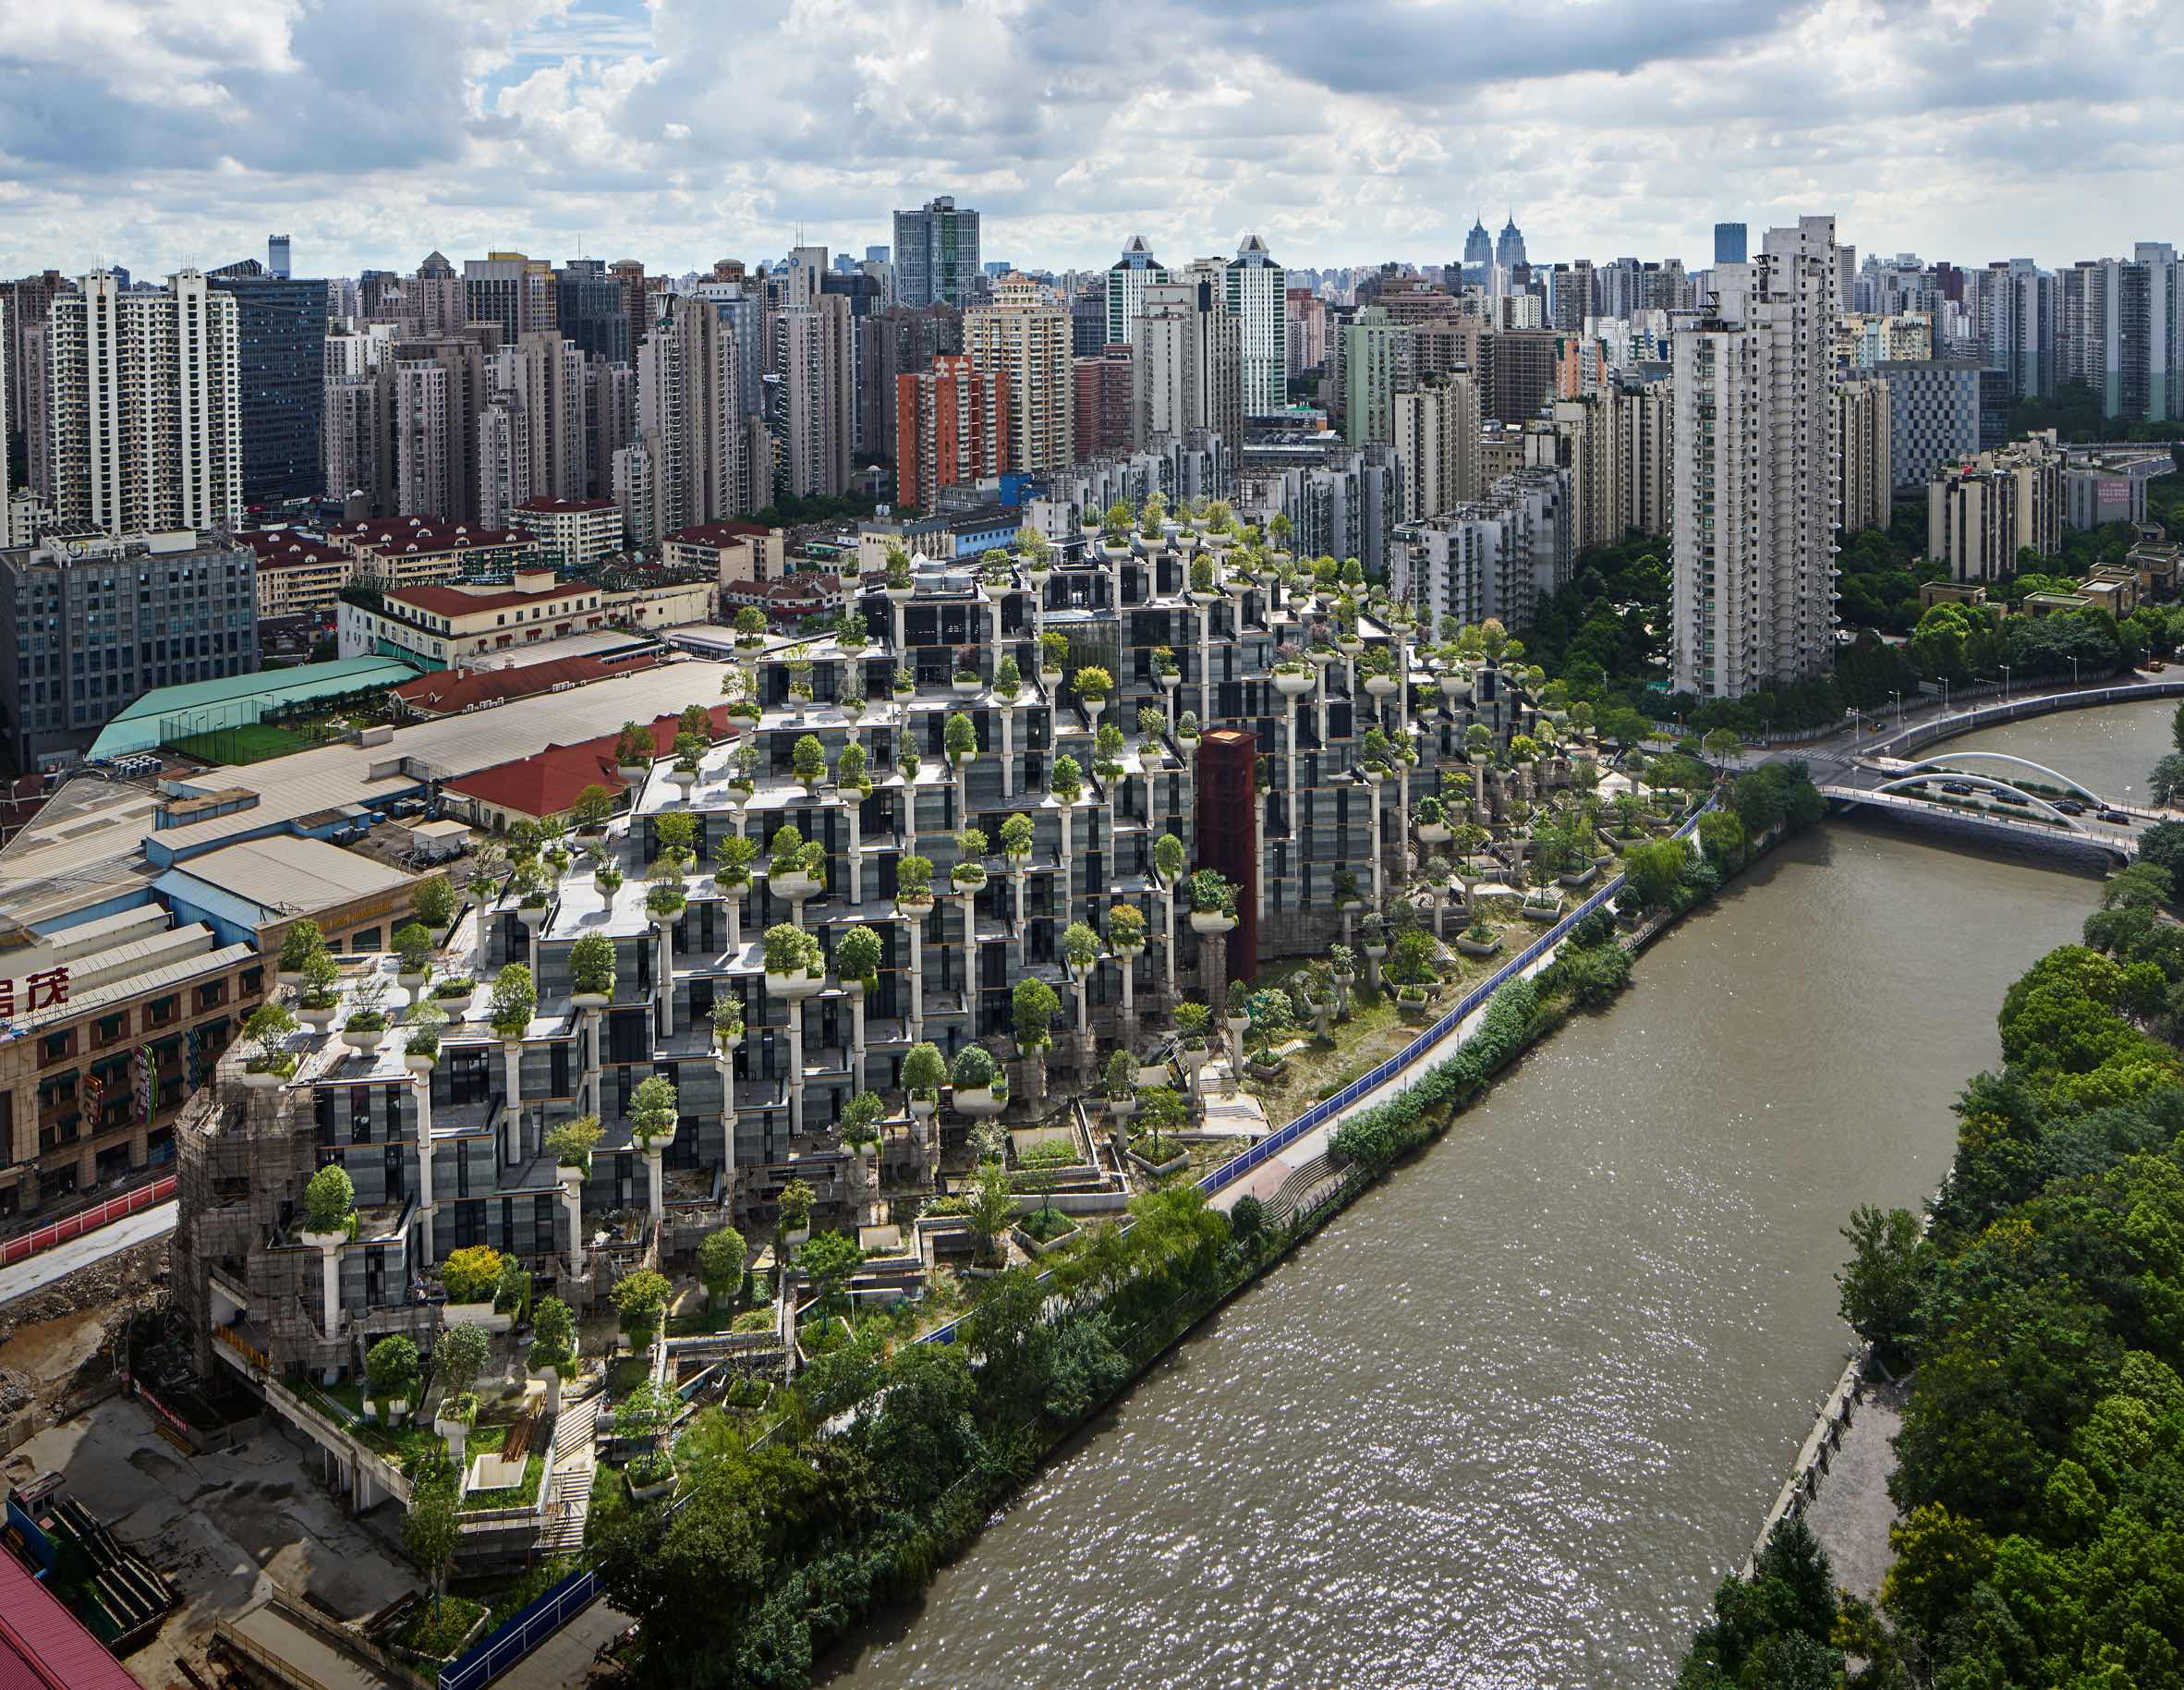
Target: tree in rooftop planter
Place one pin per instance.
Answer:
(961, 739)
(1033, 1007)
(721, 1256)
(553, 1348)
(1161, 1110)
(808, 761)
(329, 1222)
(913, 903)
(654, 1115)
(750, 631)
(391, 1376)
(421, 1037)
(796, 1202)
(794, 963)
(732, 856)
(641, 1299)
(633, 750)
(856, 959)
(515, 1000)
(1080, 956)
(1008, 680)
(1017, 835)
(828, 1261)
(591, 971)
(1168, 859)
(849, 772)
(1125, 932)
(299, 944)
(593, 809)
(1118, 1084)
(432, 901)
(980, 1086)
(268, 1028)
(969, 873)
(1479, 938)
(1094, 687)
(571, 1144)
(859, 1129)
(992, 1206)
(925, 1071)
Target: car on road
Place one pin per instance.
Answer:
(2070, 807)
(2116, 815)
(1957, 789)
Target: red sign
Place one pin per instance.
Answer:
(43, 989)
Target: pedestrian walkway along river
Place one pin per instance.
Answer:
(1506, 1419)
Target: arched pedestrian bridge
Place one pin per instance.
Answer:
(1986, 792)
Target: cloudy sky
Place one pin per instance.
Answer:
(151, 134)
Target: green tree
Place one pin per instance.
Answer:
(2166, 783)
(1653, 869)
(459, 1356)
(829, 1259)
(641, 1300)
(1880, 1284)
(721, 1258)
(430, 1525)
(433, 902)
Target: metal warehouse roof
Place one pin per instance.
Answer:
(233, 699)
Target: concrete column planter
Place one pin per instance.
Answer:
(977, 1101)
(475, 1314)
(793, 885)
(1478, 947)
(363, 1039)
(1412, 1003)
(591, 1000)
(318, 1018)
(1210, 921)
(392, 1412)
(265, 1080)
(802, 984)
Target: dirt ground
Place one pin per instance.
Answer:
(58, 1342)
(226, 1527)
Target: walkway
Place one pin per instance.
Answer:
(36, 1272)
(1852, 1512)
(570, 1655)
(1264, 1181)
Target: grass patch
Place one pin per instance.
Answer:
(1045, 1223)
(625, 1374)
(700, 1322)
(512, 1496)
(436, 1637)
(252, 743)
(509, 1594)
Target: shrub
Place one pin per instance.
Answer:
(1080, 945)
(330, 1200)
(1377, 1137)
(572, 1142)
(641, 1299)
(433, 902)
(857, 955)
(1211, 892)
(390, 1369)
(721, 1258)
(925, 1071)
(515, 999)
(1016, 836)
(1119, 1079)
(592, 964)
(652, 1109)
(458, 1357)
(960, 736)
(1034, 1006)
(471, 1274)
(1093, 684)
(554, 1335)
(1125, 927)
(790, 949)
(914, 876)
(300, 944)
(973, 1068)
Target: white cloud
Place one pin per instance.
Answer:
(1345, 130)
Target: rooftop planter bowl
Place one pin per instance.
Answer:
(1477, 947)
(1541, 908)
(968, 877)
(365, 1033)
(1210, 921)
(966, 684)
(318, 1016)
(591, 1000)
(793, 883)
(1294, 683)
(270, 1073)
(1034, 1246)
(1152, 1073)
(1435, 833)
(1380, 686)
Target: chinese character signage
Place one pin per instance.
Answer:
(45, 989)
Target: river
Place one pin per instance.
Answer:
(2109, 750)
(1506, 1421)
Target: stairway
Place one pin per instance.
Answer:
(569, 1486)
(1289, 1197)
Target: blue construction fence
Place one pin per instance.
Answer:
(521, 1635)
(1274, 1143)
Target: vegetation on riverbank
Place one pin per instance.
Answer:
(2040, 1479)
(883, 1461)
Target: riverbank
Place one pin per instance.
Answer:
(1511, 1420)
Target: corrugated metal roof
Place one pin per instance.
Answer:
(272, 686)
(284, 876)
(43, 1647)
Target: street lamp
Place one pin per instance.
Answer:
(1898, 698)
(2005, 668)
(2073, 672)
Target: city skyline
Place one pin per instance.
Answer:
(558, 129)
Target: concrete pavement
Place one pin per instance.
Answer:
(36, 1272)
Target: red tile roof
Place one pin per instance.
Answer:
(285, 548)
(450, 692)
(43, 1647)
(550, 781)
(452, 601)
(424, 534)
(719, 533)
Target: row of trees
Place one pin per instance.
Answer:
(2039, 1476)
(793, 1539)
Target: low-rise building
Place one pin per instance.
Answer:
(299, 573)
(445, 627)
(107, 1026)
(395, 552)
(792, 600)
(573, 534)
(252, 892)
(728, 552)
